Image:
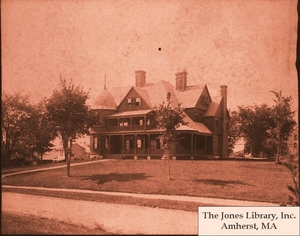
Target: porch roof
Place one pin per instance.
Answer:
(130, 113)
(196, 126)
(199, 127)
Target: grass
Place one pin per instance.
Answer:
(21, 224)
(31, 167)
(251, 180)
(161, 203)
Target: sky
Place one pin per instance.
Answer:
(248, 45)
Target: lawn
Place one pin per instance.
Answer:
(22, 224)
(243, 180)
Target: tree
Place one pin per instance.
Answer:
(233, 130)
(292, 163)
(283, 117)
(44, 131)
(168, 119)
(16, 120)
(255, 121)
(72, 117)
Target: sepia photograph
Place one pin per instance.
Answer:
(149, 117)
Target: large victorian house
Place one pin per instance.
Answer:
(129, 128)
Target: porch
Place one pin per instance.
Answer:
(141, 145)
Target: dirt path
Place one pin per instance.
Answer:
(117, 219)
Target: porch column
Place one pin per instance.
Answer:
(205, 146)
(192, 143)
(109, 144)
(148, 151)
(130, 123)
(123, 144)
(135, 143)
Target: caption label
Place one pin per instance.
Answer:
(248, 221)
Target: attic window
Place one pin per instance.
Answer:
(138, 101)
(134, 101)
(129, 102)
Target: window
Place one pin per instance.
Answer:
(217, 123)
(124, 122)
(295, 145)
(295, 137)
(129, 142)
(138, 102)
(141, 121)
(134, 102)
(95, 143)
(139, 143)
(129, 102)
(148, 121)
(105, 142)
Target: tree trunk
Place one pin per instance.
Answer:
(278, 144)
(67, 153)
(166, 154)
(8, 157)
(277, 154)
(69, 158)
(169, 176)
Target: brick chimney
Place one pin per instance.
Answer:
(181, 81)
(224, 94)
(140, 78)
(224, 152)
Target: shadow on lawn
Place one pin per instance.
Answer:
(101, 179)
(220, 182)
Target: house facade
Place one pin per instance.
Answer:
(129, 128)
(79, 152)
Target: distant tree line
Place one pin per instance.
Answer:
(28, 130)
(264, 128)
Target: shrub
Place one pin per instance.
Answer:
(292, 163)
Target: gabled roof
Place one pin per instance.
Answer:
(190, 96)
(157, 93)
(119, 93)
(143, 93)
(196, 126)
(214, 107)
(154, 94)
